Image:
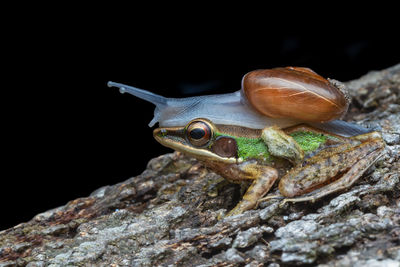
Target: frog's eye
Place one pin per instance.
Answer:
(198, 133)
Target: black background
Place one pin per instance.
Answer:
(65, 133)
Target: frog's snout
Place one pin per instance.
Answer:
(159, 134)
(168, 136)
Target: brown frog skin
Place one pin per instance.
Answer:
(335, 165)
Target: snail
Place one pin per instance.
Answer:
(283, 97)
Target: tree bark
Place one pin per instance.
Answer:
(168, 215)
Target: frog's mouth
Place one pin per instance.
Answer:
(174, 137)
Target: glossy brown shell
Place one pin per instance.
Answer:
(294, 92)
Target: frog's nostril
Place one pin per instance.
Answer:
(163, 132)
(160, 132)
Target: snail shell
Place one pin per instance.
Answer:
(294, 92)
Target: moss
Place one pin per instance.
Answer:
(309, 141)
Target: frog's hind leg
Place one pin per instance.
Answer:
(369, 153)
(346, 181)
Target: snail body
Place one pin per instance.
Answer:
(280, 97)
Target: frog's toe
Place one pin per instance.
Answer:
(241, 207)
(283, 202)
(297, 199)
(234, 211)
(270, 197)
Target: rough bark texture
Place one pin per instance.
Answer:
(168, 214)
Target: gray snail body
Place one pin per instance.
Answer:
(289, 96)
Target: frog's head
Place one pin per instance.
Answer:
(198, 139)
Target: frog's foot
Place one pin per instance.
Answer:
(371, 152)
(311, 198)
(282, 145)
(265, 178)
(241, 207)
(293, 200)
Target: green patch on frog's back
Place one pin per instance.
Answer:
(309, 141)
(256, 148)
(252, 148)
(249, 147)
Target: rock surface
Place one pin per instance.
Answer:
(168, 214)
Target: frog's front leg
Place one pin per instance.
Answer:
(282, 145)
(263, 179)
(331, 170)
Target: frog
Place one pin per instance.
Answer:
(284, 124)
(312, 163)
